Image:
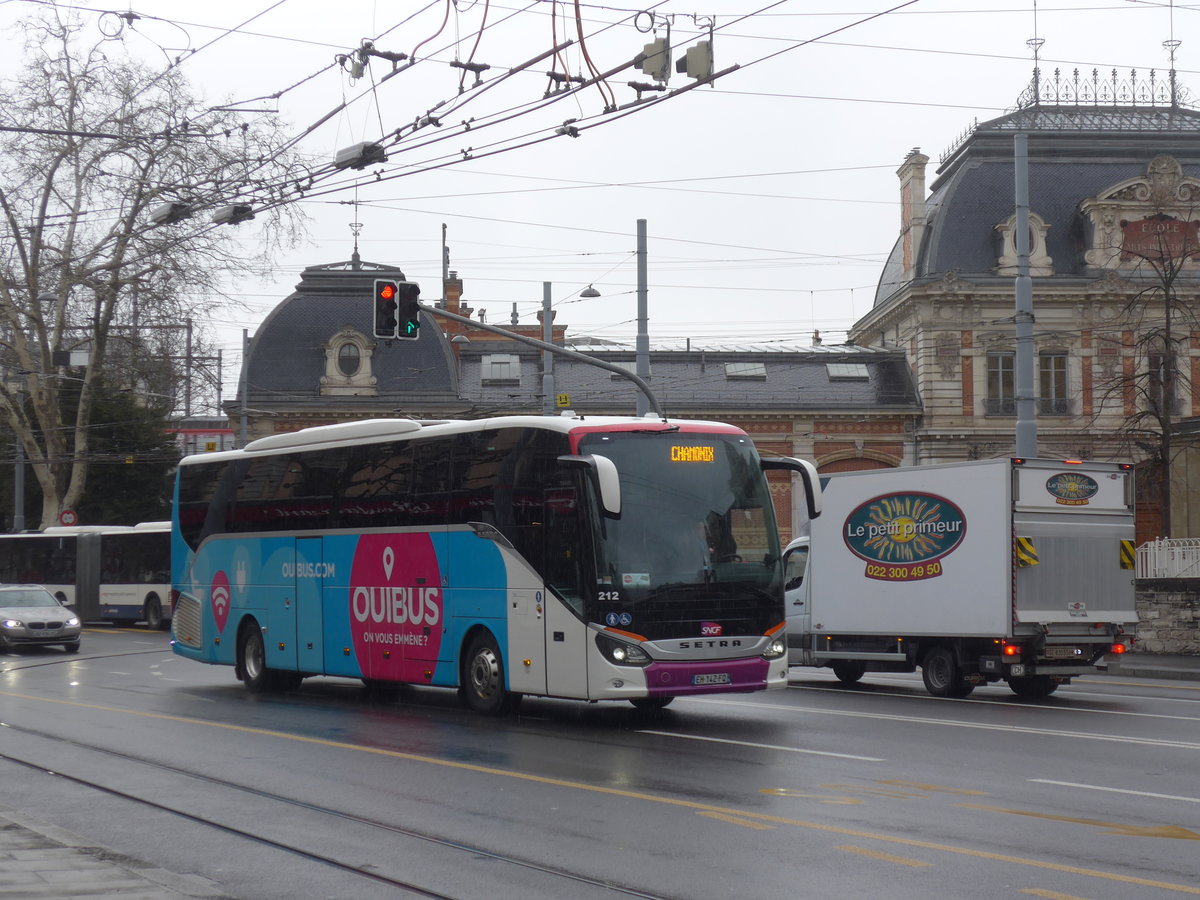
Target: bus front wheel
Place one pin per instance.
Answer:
(252, 664)
(482, 681)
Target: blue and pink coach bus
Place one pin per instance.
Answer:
(587, 558)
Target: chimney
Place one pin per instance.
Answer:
(452, 289)
(912, 209)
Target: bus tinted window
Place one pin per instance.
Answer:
(377, 486)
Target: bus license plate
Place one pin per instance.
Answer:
(716, 678)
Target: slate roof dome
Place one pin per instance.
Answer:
(300, 355)
(1083, 138)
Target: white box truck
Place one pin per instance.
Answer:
(1007, 569)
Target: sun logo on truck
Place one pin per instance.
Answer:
(904, 536)
(1072, 488)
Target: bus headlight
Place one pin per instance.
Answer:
(620, 652)
(775, 649)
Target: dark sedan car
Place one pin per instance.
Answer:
(31, 616)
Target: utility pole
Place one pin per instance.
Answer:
(547, 356)
(1026, 437)
(642, 356)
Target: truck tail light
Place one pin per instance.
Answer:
(1117, 649)
(1011, 650)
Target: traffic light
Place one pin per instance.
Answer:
(408, 311)
(656, 60)
(385, 308)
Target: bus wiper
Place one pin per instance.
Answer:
(665, 429)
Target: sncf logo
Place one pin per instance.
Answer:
(711, 629)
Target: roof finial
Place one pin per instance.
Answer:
(1035, 44)
(1171, 46)
(355, 259)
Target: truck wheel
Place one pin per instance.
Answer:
(1033, 686)
(849, 671)
(942, 676)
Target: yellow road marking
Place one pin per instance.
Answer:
(1051, 895)
(1161, 831)
(886, 857)
(627, 794)
(933, 787)
(735, 820)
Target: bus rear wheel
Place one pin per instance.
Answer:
(482, 679)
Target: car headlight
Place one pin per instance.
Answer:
(72, 622)
(621, 652)
(775, 649)
(11, 623)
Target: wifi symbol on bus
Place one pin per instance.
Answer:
(219, 597)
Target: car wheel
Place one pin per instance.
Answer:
(71, 646)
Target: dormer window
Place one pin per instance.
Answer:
(348, 365)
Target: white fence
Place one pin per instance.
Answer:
(1169, 558)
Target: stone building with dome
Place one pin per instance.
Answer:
(1114, 208)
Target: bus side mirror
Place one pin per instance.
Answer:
(808, 475)
(603, 472)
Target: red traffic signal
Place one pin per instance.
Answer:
(385, 309)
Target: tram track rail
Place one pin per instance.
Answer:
(604, 885)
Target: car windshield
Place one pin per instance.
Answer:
(27, 598)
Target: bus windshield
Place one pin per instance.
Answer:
(695, 550)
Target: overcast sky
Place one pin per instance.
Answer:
(771, 198)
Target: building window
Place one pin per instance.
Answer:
(848, 371)
(746, 370)
(1052, 393)
(500, 368)
(1001, 401)
(349, 359)
(348, 365)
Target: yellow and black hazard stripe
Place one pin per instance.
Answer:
(1128, 555)
(1026, 552)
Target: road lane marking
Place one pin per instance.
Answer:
(953, 723)
(699, 737)
(1051, 895)
(886, 857)
(735, 820)
(1175, 832)
(604, 790)
(1113, 790)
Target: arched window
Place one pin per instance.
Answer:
(349, 359)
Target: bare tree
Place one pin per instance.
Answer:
(94, 261)
(1162, 323)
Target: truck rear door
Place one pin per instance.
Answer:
(1073, 543)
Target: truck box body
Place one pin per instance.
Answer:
(973, 557)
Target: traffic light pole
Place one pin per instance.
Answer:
(552, 348)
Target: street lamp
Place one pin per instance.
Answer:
(589, 293)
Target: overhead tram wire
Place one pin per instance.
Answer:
(514, 112)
